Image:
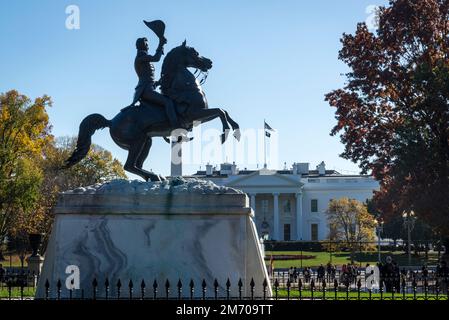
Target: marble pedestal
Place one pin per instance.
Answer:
(183, 230)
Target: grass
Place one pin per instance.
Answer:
(340, 258)
(341, 295)
(15, 292)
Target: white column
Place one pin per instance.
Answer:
(276, 216)
(299, 218)
(253, 202)
(176, 159)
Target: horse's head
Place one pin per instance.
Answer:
(192, 59)
(176, 63)
(186, 57)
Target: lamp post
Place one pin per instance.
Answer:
(409, 224)
(379, 230)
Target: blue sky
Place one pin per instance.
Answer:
(273, 60)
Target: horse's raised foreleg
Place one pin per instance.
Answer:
(235, 126)
(138, 152)
(206, 115)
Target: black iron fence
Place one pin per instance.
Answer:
(430, 287)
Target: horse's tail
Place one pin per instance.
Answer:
(88, 126)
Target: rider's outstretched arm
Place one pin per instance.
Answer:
(157, 56)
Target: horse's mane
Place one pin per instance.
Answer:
(168, 68)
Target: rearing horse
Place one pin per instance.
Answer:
(133, 128)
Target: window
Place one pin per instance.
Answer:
(314, 232)
(314, 205)
(287, 233)
(287, 206)
(264, 206)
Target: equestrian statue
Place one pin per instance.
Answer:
(168, 113)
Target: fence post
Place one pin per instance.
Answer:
(142, 289)
(203, 287)
(179, 286)
(347, 288)
(192, 288)
(106, 288)
(404, 289)
(414, 288)
(265, 285)
(228, 286)
(426, 288)
(381, 288)
(336, 289)
(167, 289)
(312, 287)
(251, 285)
(119, 286)
(437, 289)
(288, 289)
(9, 289)
(47, 289)
(276, 288)
(300, 288)
(216, 285)
(155, 289)
(359, 286)
(130, 287)
(393, 289)
(324, 289)
(240, 285)
(58, 286)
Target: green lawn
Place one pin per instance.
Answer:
(340, 258)
(15, 293)
(341, 295)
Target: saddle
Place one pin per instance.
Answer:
(184, 123)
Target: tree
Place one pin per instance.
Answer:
(350, 222)
(98, 166)
(24, 133)
(393, 113)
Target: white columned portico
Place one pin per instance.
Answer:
(253, 201)
(276, 217)
(299, 217)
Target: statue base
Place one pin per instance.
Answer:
(190, 231)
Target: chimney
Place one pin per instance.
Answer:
(321, 169)
(295, 169)
(209, 170)
(234, 169)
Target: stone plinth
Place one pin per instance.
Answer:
(183, 230)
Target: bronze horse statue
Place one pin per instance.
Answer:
(133, 128)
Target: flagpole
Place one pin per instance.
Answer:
(264, 145)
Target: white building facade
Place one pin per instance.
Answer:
(290, 205)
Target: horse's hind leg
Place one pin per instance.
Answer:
(137, 154)
(144, 153)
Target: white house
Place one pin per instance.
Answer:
(291, 204)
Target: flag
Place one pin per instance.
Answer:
(267, 127)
